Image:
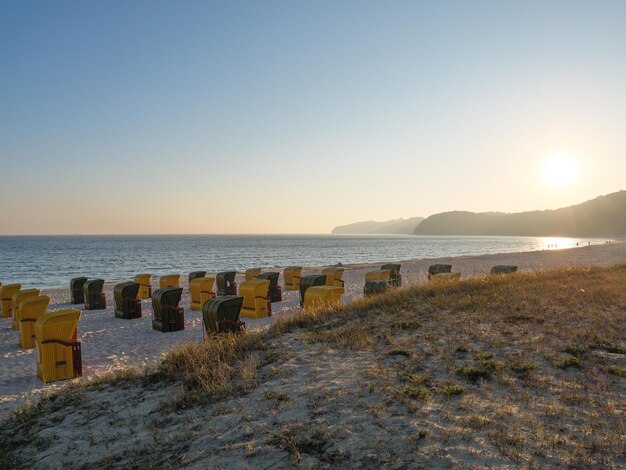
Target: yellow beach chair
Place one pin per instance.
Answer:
(201, 290)
(380, 275)
(252, 273)
(28, 312)
(334, 276)
(292, 275)
(17, 298)
(145, 288)
(171, 280)
(256, 303)
(58, 352)
(322, 296)
(6, 299)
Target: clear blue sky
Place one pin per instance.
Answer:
(290, 116)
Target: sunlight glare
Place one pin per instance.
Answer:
(560, 170)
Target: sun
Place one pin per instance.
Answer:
(560, 170)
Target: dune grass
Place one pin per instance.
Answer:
(533, 365)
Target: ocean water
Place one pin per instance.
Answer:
(51, 261)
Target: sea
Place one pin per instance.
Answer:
(51, 261)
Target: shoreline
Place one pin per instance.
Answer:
(111, 344)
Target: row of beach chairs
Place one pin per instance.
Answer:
(54, 334)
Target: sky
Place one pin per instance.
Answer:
(294, 117)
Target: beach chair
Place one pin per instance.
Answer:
(292, 275)
(375, 287)
(310, 281)
(93, 291)
(127, 302)
(76, 289)
(396, 278)
(170, 280)
(168, 316)
(15, 301)
(6, 299)
(322, 296)
(439, 277)
(200, 291)
(439, 269)
(252, 273)
(226, 284)
(503, 269)
(221, 315)
(275, 292)
(145, 287)
(58, 351)
(256, 302)
(334, 276)
(29, 311)
(195, 275)
(378, 275)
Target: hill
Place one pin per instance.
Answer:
(604, 216)
(395, 226)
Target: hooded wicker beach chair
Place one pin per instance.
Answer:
(221, 315)
(226, 284)
(439, 269)
(29, 311)
(170, 280)
(334, 276)
(58, 352)
(275, 292)
(145, 286)
(76, 289)
(292, 275)
(375, 287)
(93, 290)
(396, 277)
(201, 290)
(310, 280)
(195, 275)
(256, 303)
(503, 269)
(6, 299)
(127, 302)
(322, 296)
(378, 275)
(15, 302)
(252, 273)
(445, 277)
(168, 316)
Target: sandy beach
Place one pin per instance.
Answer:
(109, 343)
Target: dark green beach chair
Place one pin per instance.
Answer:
(375, 287)
(93, 291)
(439, 269)
(168, 316)
(76, 288)
(396, 277)
(226, 284)
(127, 303)
(221, 315)
(309, 281)
(275, 293)
(503, 269)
